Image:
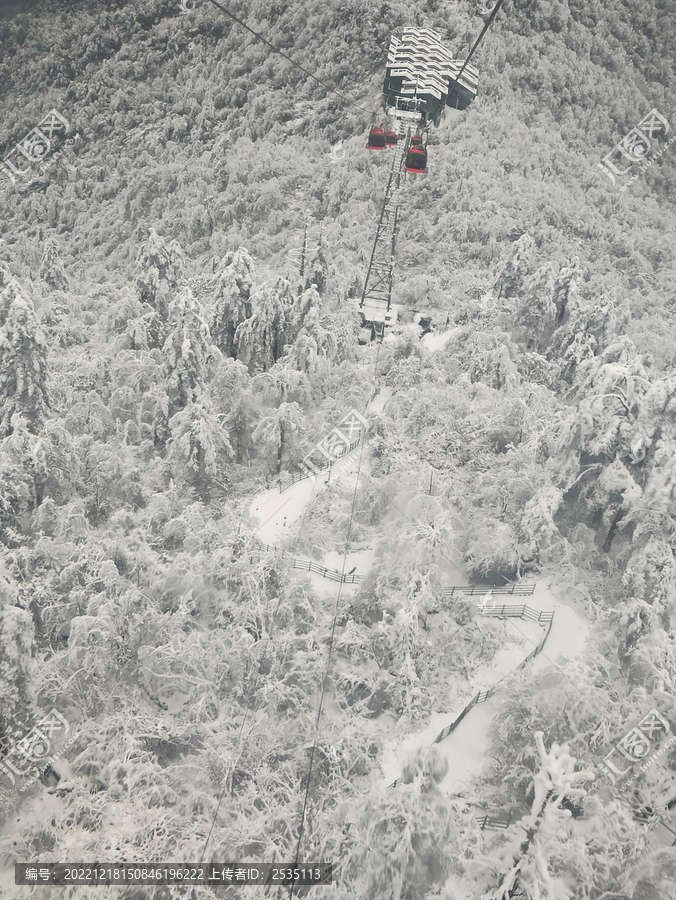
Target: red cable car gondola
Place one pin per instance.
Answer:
(391, 138)
(376, 139)
(416, 158)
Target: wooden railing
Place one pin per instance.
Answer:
(300, 476)
(521, 612)
(307, 565)
(472, 589)
(494, 823)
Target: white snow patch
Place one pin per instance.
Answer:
(361, 559)
(466, 749)
(434, 342)
(271, 509)
(376, 405)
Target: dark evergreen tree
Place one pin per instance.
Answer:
(199, 448)
(513, 274)
(186, 352)
(162, 265)
(23, 357)
(260, 340)
(231, 305)
(52, 271)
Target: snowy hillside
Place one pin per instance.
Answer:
(445, 663)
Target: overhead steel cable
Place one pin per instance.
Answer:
(480, 38)
(287, 57)
(257, 676)
(301, 826)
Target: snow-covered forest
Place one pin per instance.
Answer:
(180, 327)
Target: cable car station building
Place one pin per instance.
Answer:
(421, 76)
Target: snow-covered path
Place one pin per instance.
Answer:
(466, 749)
(278, 513)
(434, 342)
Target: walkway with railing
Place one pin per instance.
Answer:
(494, 823)
(307, 565)
(520, 612)
(498, 822)
(525, 590)
(301, 476)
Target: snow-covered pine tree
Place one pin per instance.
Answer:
(162, 265)
(199, 448)
(565, 290)
(23, 357)
(231, 305)
(280, 432)
(52, 271)
(555, 782)
(511, 279)
(260, 340)
(186, 351)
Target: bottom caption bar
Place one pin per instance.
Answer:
(172, 873)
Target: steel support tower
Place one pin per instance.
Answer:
(376, 299)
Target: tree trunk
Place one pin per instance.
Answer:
(613, 528)
(280, 449)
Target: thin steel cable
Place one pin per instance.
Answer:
(287, 57)
(258, 675)
(479, 39)
(252, 693)
(328, 659)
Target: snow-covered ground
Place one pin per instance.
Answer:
(278, 513)
(436, 341)
(467, 747)
(432, 341)
(378, 403)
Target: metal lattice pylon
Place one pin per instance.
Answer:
(376, 298)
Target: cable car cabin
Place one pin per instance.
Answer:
(391, 138)
(376, 139)
(416, 160)
(416, 141)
